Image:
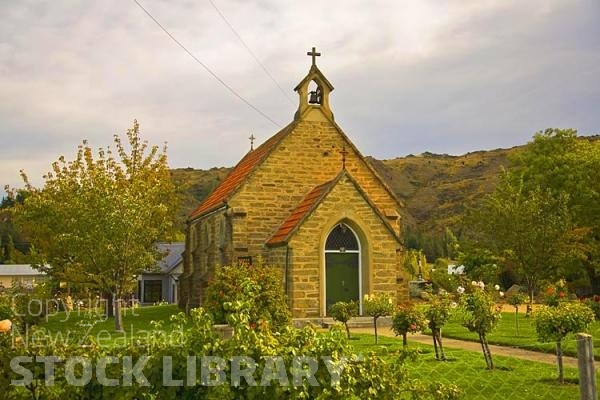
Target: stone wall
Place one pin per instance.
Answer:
(308, 156)
(380, 256)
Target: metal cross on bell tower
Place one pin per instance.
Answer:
(314, 55)
(251, 141)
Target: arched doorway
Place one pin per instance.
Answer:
(342, 266)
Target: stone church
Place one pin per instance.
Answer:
(305, 201)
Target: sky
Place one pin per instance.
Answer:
(409, 76)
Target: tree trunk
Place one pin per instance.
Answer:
(118, 315)
(486, 351)
(489, 353)
(517, 319)
(375, 326)
(404, 340)
(110, 312)
(435, 346)
(438, 334)
(347, 329)
(559, 361)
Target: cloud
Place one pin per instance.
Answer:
(410, 76)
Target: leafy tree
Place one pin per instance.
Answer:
(408, 318)
(98, 217)
(343, 312)
(559, 161)
(556, 323)
(377, 306)
(531, 228)
(480, 315)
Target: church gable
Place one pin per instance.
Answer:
(312, 200)
(311, 279)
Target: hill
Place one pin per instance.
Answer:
(435, 188)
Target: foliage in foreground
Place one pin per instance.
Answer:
(258, 285)
(272, 357)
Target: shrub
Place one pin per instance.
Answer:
(377, 305)
(259, 285)
(344, 311)
(554, 323)
(515, 300)
(408, 318)
(480, 315)
(443, 280)
(438, 313)
(594, 304)
(556, 293)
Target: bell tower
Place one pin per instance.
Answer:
(313, 92)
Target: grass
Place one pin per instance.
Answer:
(136, 323)
(511, 379)
(505, 335)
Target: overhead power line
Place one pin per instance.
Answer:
(214, 75)
(250, 51)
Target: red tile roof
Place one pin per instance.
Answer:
(312, 199)
(236, 177)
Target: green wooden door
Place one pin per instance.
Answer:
(341, 277)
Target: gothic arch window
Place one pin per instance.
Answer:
(343, 270)
(342, 239)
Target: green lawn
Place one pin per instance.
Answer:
(505, 334)
(136, 323)
(512, 379)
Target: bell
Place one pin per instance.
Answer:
(314, 99)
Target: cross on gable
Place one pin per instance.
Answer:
(314, 55)
(344, 152)
(251, 141)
